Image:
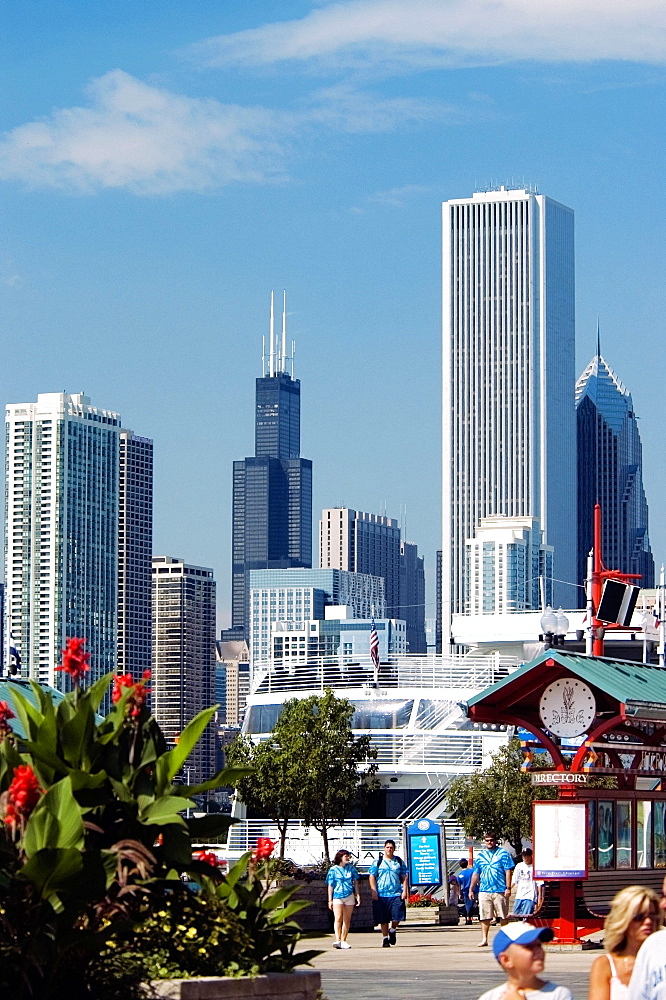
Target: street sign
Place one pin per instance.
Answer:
(424, 853)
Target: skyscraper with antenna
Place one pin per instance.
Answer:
(272, 490)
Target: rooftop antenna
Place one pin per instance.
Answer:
(283, 359)
(598, 340)
(271, 342)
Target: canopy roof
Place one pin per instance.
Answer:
(639, 687)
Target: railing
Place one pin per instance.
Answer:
(363, 838)
(445, 751)
(316, 673)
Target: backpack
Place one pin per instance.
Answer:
(396, 857)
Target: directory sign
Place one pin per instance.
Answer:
(560, 839)
(424, 853)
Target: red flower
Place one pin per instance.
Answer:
(264, 849)
(21, 797)
(74, 661)
(139, 689)
(209, 857)
(5, 714)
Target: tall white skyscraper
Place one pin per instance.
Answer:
(61, 531)
(508, 421)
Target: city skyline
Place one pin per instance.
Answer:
(161, 172)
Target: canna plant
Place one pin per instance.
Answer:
(96, 833)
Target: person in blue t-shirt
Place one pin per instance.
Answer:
(343, 895)
(464, 878)
(389, 886)
(492, 873)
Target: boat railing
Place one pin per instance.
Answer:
(311, 673)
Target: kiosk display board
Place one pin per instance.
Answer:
(559, 832)
(424, 853)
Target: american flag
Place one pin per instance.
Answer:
(374, 646)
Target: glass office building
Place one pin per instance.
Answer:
(272, 490)
(135, 553)
(508, 419)
(610, 472)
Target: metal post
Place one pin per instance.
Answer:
(662, 624)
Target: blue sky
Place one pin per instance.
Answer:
(163, 166)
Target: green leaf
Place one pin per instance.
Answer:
(226, 778)
(76, 736)
(164, 810)
(278, 916)
(55, 821)
(95, 693)
(53, 870)
(209, 827)
(170, 763)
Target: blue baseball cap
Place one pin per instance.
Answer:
(519, 933)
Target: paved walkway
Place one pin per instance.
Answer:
(429, 963)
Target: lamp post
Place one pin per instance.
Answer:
(554, 627)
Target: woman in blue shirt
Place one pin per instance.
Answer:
(342, 882)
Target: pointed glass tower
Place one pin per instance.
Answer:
(610, 472)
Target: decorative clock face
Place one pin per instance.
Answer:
(567, 707)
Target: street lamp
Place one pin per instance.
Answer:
(554, 627)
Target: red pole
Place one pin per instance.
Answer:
(597, 569)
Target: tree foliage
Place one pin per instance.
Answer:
(498, 798)
(313, 768)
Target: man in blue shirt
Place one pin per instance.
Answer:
(389, 887)
(492, 873)
(464, 878)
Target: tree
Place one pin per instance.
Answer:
(336, 767)
(272, 786)
(313, 767)
(498, 798)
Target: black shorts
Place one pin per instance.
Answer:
(388, 909)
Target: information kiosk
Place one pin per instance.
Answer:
(597, 739)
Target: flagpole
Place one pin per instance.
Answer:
(662, 624)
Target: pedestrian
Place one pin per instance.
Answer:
(389, 886)
(529, 893)
(464, 877)
(648, 980)
(633, 916)
(343, 895)
(518, 949)
(454, 890)
(492, 872)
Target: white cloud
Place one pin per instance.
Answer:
(150, 141)
(386, 33)
(145, 139)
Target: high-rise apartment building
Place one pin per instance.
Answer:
(362, 543)
(610, 472)
(135, 553)
(61, 531)
(412, 597)
(183, 681)
(272, 491)
(508, 422)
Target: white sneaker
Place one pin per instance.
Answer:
(337, 944)
(344, 944)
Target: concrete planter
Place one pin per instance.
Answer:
(318, 917)
(303, 984)
(448, 916)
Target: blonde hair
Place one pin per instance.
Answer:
(625, 906)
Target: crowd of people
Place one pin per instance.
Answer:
(632, 966)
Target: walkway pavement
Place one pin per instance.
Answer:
(429, 963)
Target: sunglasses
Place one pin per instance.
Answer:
(647, 915)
